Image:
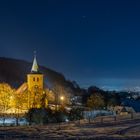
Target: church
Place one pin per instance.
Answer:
(34, 87)
(35, 79)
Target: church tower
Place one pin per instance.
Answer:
(35, 84)
(35, 79)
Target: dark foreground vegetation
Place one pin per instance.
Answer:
(46, 115)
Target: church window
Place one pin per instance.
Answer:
(34, 79)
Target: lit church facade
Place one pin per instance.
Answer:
(35, 79)
(34, 87)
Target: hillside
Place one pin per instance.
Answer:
(13, 72)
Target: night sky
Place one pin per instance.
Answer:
(94, 42)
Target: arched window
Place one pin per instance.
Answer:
(37, 79)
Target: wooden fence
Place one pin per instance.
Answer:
(112, 118)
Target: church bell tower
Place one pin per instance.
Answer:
(35, 79)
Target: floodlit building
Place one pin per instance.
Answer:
(34, 87)
(35, 79)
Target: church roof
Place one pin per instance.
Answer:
(22, 88)
(35, 68)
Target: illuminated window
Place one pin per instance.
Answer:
(37, 79)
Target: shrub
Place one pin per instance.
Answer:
(76, 114)
(39, 115)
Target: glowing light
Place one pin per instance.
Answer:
(62, 98)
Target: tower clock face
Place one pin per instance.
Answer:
(36, 86)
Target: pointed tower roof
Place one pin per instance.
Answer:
(35, 67)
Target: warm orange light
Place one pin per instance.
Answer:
(62, 98)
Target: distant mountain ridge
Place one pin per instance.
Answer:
(14, 71)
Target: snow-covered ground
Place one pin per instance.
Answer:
(12, 121)
(95, 113)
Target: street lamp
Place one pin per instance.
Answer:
(61, 98)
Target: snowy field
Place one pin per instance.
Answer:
(12, 121)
